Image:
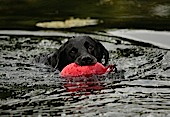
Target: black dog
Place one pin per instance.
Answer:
(82, 50)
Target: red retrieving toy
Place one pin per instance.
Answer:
(75, 70)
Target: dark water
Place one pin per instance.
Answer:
(139, 88)
(138, 14)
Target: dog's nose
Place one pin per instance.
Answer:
(86, 60)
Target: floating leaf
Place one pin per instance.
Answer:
(68, 23)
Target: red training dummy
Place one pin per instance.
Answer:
(75, 70)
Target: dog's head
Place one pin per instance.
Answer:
(82, 50)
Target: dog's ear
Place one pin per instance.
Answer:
(59, 58)
(104, 52)
(101, 53)
(53, 59)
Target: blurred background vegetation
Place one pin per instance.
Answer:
(126, 14)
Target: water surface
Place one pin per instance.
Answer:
(139, 88)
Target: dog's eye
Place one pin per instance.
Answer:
(90, 48)
(73, 51)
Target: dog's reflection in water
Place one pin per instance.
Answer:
(83, 84)
(88, 85)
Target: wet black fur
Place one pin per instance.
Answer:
(82, 50)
